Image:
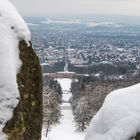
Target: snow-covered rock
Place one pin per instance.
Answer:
(119, 117)
(12, 30)
(10, 17)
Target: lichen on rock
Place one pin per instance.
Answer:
(26, 123)
(138, 136)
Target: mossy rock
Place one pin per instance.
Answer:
(26, 123)
(138, 136)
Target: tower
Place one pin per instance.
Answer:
(65, 55)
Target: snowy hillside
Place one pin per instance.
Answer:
(118, 119)
(12, 29)
(65, 130)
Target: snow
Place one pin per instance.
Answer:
(61, 21)
(12, 28)
(66, 72)
(66, 97)
(66, 87)
(65, 130)
(97, 75)
(32, 24)
(65, 83)
(103, 24)
(10, 18)
(118, 119)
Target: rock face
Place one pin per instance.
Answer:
(26, 123)
(138, 136)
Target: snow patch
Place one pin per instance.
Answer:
(118, 119)
(66, 88)
(12, 29)
(32, 24)
(65, 83)
(61, 21)
(103, 24)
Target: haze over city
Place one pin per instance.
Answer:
(76, 7)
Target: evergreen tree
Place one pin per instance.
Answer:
(51, 110)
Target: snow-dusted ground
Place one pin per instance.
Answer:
(65, 83)
(12, 29)
(66, 87)
(119, 117)
(65, 130)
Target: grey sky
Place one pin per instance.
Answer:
(72, 7)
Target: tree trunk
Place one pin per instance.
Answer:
(47, 131)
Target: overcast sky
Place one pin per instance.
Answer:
(72, 7)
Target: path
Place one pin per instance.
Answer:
(65, 130)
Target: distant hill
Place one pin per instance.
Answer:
(124, 19)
